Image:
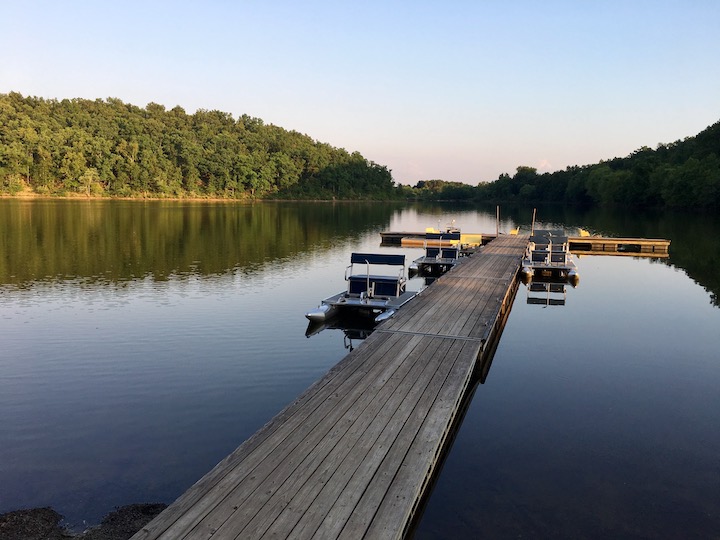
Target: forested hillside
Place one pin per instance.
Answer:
(107, 147)
(681, 174)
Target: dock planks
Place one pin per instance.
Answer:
(352, 456)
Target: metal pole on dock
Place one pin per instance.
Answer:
(497, 221)
(532, 227)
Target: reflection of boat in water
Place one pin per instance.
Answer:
(546, 292)
(548, 255)
(353, 328)
(442, 252)
(370, 295)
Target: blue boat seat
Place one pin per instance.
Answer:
(432, 251)
(540, 255)
(371, 284)
(558, 257)
(377, 258)
(450, 252)
(381, 285)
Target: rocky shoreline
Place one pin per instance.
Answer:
(45, 524)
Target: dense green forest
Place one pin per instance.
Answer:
(107, 147)
(683, 174)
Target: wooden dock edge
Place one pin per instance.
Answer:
(479, 376)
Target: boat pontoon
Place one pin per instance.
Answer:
(374, 295)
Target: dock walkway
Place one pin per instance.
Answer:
(354, 454)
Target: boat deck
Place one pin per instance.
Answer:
(353, 456)
(385, 302)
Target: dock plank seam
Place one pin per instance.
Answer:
(355, 497)
(425, 334)
(367, 512)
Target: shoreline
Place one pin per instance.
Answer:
(30, 196)
(46, 524)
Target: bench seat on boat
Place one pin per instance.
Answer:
(539, 255)
(432, 252)
(382, 285)
(438, 251)
(450, 253)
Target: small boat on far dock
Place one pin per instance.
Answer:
(442, 252)
(372, 295)
(548, 255)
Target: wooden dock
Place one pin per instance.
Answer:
(579, 245)
(634, 247)
(418, 239)
(353, 456)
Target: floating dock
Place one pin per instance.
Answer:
(579, 245)
(418, 239)
(354, 455)
(634, 247)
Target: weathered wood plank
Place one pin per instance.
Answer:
(401, 496)
(264, 508)
(380, 434)
(364, 512)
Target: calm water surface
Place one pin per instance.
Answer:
(143, 342)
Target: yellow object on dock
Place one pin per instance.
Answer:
(471, 239)
(466, 240)
(421, 242)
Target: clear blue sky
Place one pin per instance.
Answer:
(457, 90)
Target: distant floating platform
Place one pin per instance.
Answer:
(418, 239)
(632, 247)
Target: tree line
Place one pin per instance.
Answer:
(107, 147)
(683, 174)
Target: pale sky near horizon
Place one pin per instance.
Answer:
(456, 90)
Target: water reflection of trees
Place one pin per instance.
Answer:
(123, 240)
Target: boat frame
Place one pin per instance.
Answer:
(368, 294)
(442, 252)
(548, 255)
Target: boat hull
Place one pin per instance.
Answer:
(323, 313)
(378, 308)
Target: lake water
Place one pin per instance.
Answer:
(143, 341)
